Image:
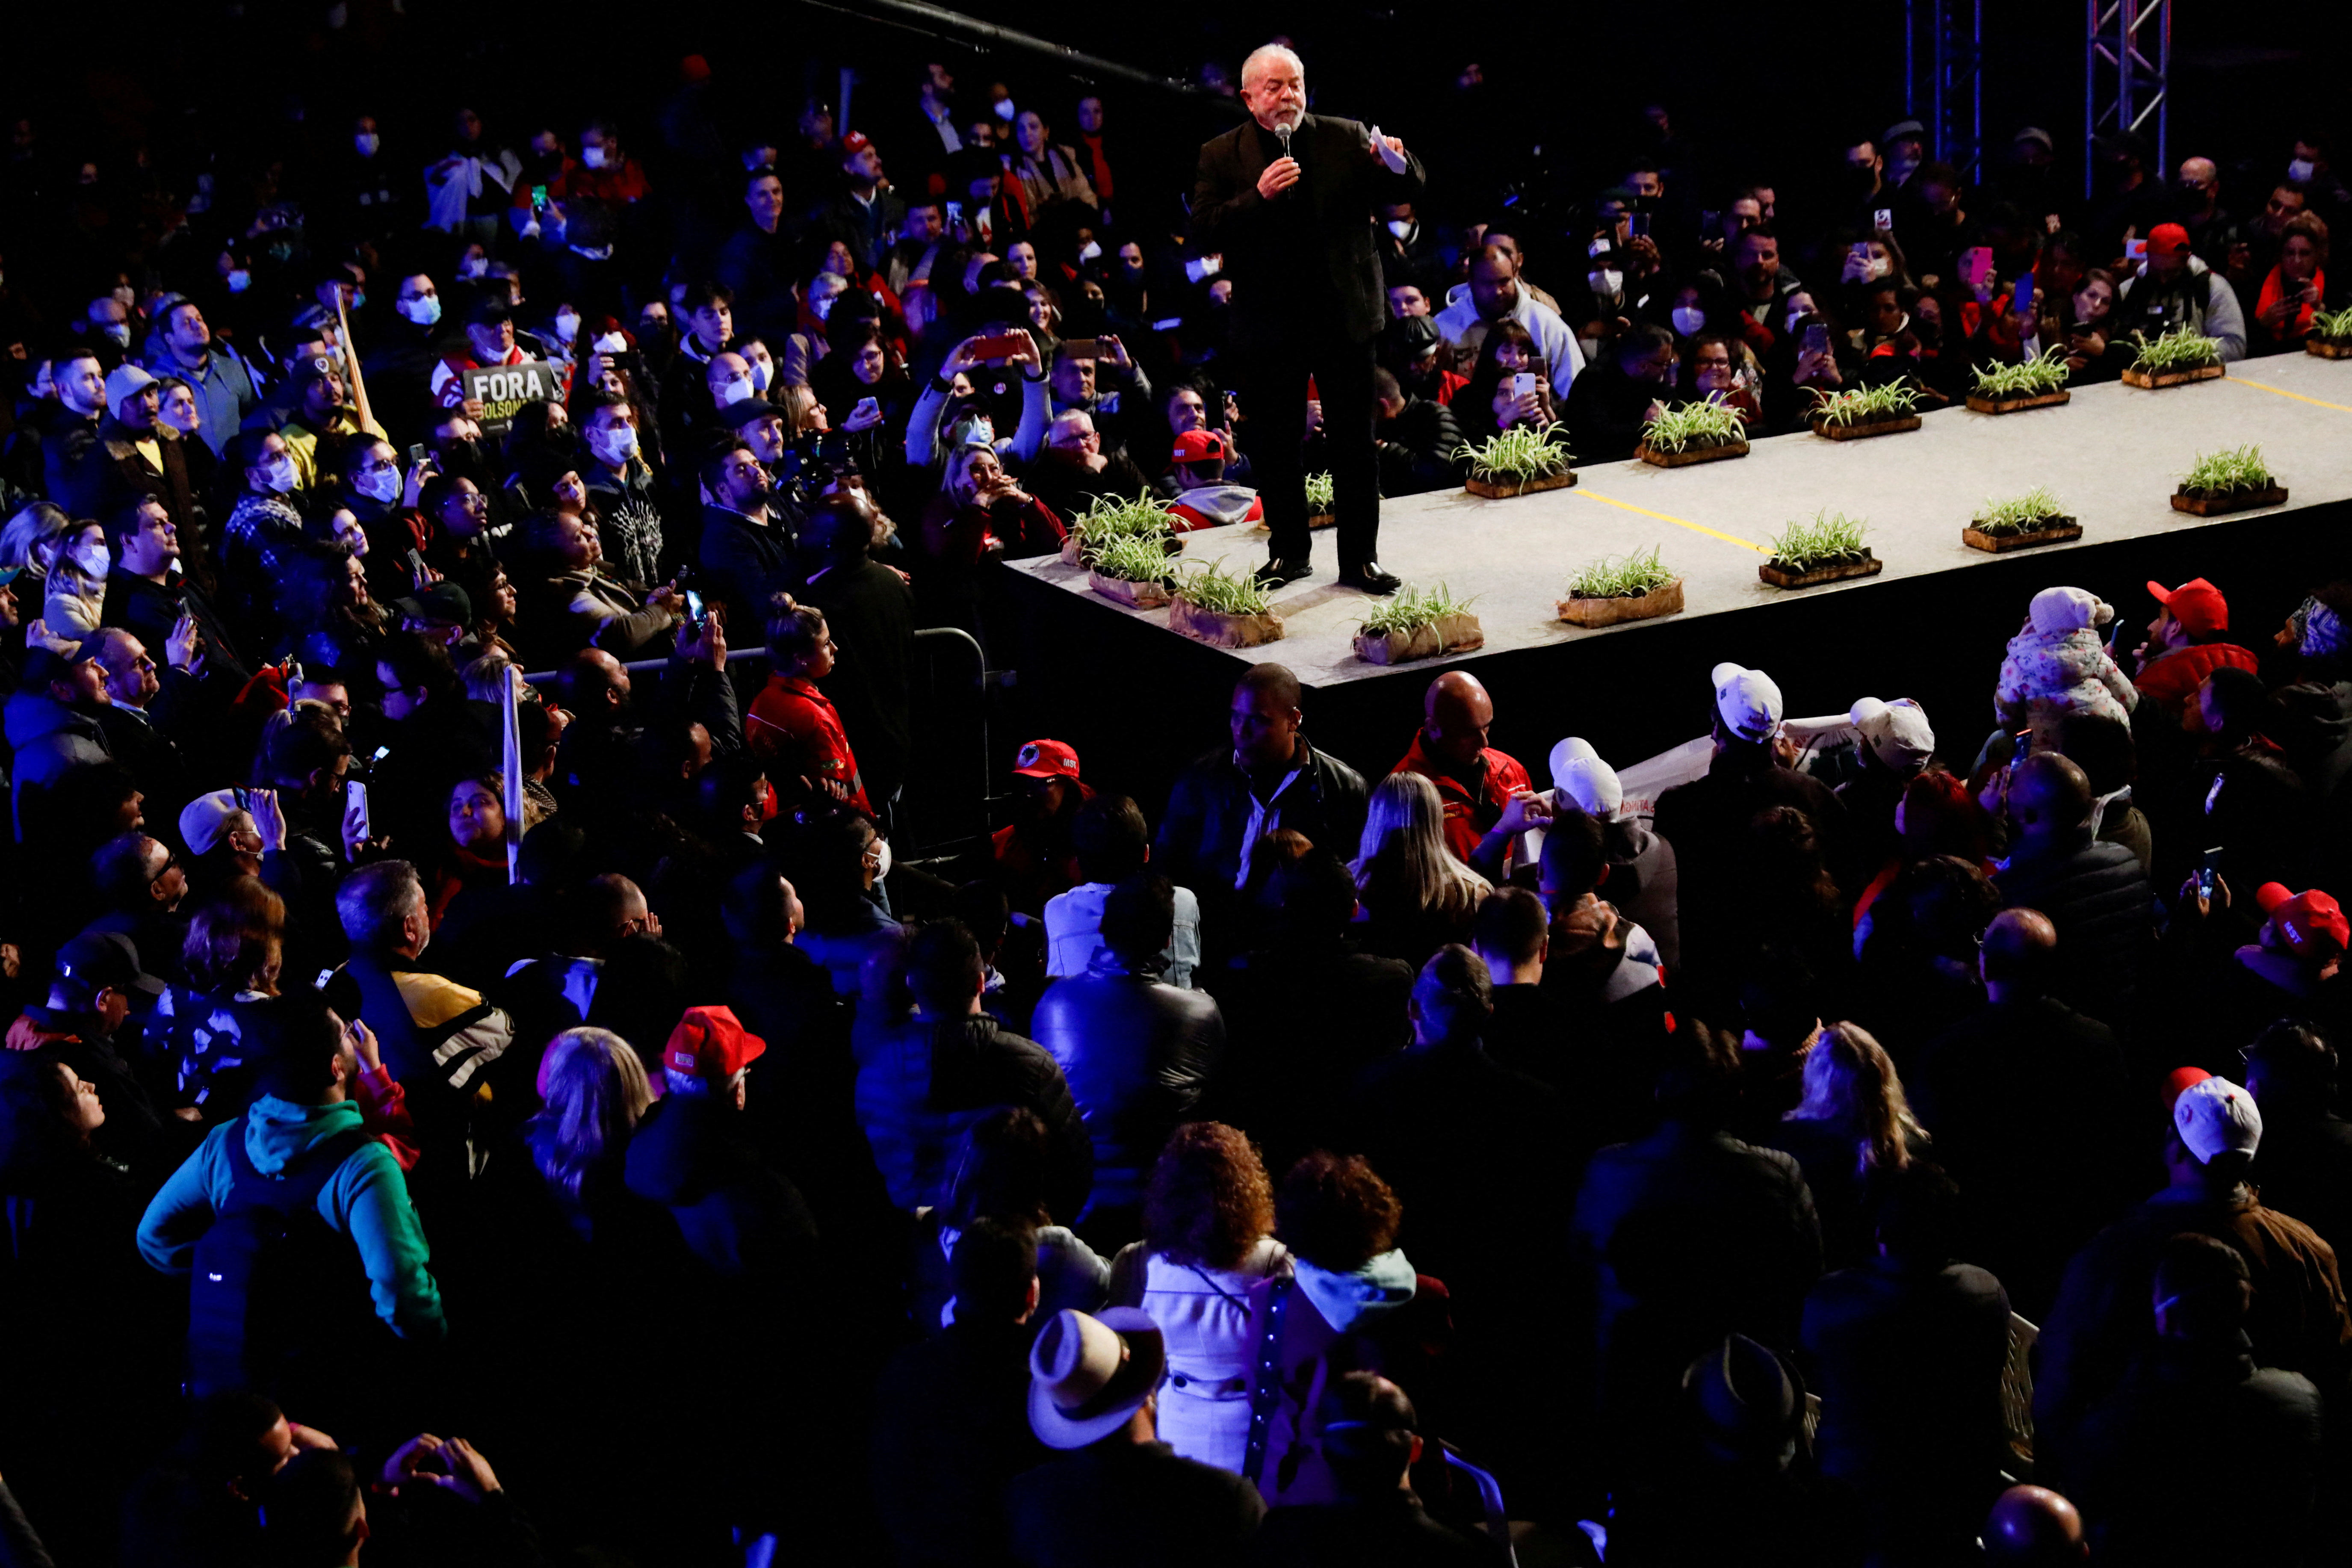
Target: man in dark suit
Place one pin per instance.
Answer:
(1288, 200)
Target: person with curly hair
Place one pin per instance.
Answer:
(1208, 1238)
(1352, 1303)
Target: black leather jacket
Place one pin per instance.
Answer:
(1137, 1053)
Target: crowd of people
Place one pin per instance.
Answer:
(1918, 1148)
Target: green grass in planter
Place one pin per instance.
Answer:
(1114, 516)
(1319, 495)
(1516, 456)
(2226, 473)
(1689, 425)
(1411, 608)
(2035, 377)
(1831, 538)
(1131, 558)
(1210, 587)
(1628, 577)
(2180, 349)
(2028, 513)
(1867, 405)
(2334, 326)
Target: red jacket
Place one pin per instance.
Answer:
(794, 729)
(1467, 819)
(2173, 679)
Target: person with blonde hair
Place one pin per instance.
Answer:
(593, 1090)
(1415, 895)
(1853, 1128)
(1208, 1238)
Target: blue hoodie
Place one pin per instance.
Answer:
(365, 1199)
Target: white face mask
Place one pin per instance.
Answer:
(367, 142)
(92, 559)
(592, 156)
(118, 331)
(616, 446)
(1004, 107)
(474, 267)
(1088, 251)
(762, 372)
(382, 486)
(277, 474)
(1608, 280)
(822, 306)
(1689, 320)
(425, 310)
(734, 390)
(2299, 169)
(1400, 227)
(567, 324)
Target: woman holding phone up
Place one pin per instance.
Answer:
(1510, 388)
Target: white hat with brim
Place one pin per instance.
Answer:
(1748, 702)
(1089, 1375)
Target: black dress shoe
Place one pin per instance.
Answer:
(1277, 572)
(1371, 579)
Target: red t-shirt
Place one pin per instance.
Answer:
(1467, 819)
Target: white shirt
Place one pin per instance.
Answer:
(1073, 933)
(1463, 330)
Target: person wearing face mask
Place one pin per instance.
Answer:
(181, 344)
(489, 341)
(264, 531)
(620, 488)
(106, 325)
(76, 597)
(385, 506)
(367, 204)
(70, 443)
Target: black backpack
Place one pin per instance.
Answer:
(272, 1281)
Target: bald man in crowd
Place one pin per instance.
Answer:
(2033, 1527)
(1497, 294)
(1489, 799)
(2093, 892)
(2040, 1173)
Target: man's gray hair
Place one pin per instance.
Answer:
(1259, 56)
(372, 900)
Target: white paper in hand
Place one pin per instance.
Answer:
(1389, 155)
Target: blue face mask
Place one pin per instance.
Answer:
(239, 280)
(118, 331)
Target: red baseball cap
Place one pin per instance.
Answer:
(711, 1043)
(1200, 447)
(2197, 605)
(857, 142)
(1046, 760)
(2312, 924)
(2167, 239)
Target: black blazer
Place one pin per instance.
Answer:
(1303, 265)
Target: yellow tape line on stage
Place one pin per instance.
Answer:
(2283, 391)
(1677, 521)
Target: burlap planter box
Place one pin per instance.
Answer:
(1666, 601)
(1781, 576)
(1460, 633)
(1397, 647)
(1497, 490)
(1984, 402)
(1713, 453)
(1070, 556)
(1865, 430)
(1134, 596)
(1220, 631)
(2057, 531)
(2222, 505)
(2152, 379)
(2329, 348)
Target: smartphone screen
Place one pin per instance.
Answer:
(1523, 383)
(1637, 224)
(2024, 306)
(416, 453)
(693, 605)
(539, 198)
(1882, 217)
(1817, 338)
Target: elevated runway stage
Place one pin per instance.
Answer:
(1930, 625)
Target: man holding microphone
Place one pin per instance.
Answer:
(1288, 199)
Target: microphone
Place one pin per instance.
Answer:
(1282, 134)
